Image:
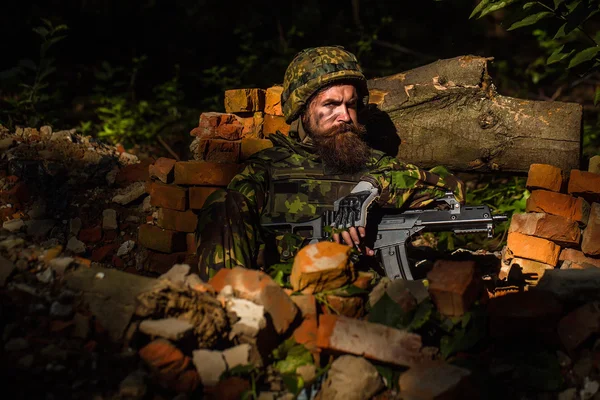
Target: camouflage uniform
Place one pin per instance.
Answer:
(288, 182)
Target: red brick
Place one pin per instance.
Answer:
(182, 221)
(204, 173)
(306, 333)
(18, 194)
(585, 184)
(564, 205)
(160, 263)
(117, 262)
(162, 169)
(91, 235)
(544, 176)
(110, 235)
(352, 306)
(134, 172)
(244, 100)
(590, 244)
(164, 360)
(231, 388)
(273, 124)
(101, 253)
(577, 326)
(533, 248)
(251, 146)
(453, 286)
(253, 126)
(6, 213)
(533, 314)
(369, 340)
(363, 280)
(166, 241)
(190, 241)
(219, 125)
(219, 151)
(199, 194)
(273, 101)
(437, 379)
(306, 303)
(575, 259)
(556, 228)
(260, 288)
(528, 270)
(168, 196)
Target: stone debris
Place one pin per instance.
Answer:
(436, 380)
(131, 193)
(167, 328)
(351, 378)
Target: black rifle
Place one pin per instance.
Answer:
(395, 228)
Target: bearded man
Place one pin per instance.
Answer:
(323, 161)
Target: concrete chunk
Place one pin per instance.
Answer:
(168, 328)
(210, 365)
(350, 378)
(436, 380)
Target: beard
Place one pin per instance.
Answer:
(341, 147)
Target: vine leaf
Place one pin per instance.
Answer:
(584, 55)
(530, 20)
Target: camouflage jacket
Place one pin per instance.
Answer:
(288, 182)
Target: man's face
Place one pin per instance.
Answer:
(331, 120)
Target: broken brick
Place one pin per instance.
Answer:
(167, 196)
(453, 286)
(533, 248)
(577, 326)
(251, 146)
(373, 341)
(166, 241)
(91, 235)
(162, 169)
(347, 306)
(134, 173)
(437, 380)
(219, 125)
(585, 184)
(204, 173)
(575, 259)
(528, 270)
(556, 228)
(165, 360)
(261, 289)
(160, 263)
(567, 206)
(199, 194)
(219, 151)
(101, 253)
(321, 266)
(306, 303)
(590, 244)
(253, 126)
(190, 241)
(544, 176)
(182, 221)
(273, 101)
(244, 100)
(363, 280)
(274, 124)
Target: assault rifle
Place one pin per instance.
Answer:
(394, 229)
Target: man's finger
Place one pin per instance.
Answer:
(347, 238)
(369, 251)
(362, 231)
(336, 237)
(354, 235)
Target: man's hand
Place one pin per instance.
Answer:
(350, 214)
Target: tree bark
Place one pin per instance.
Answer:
(448, 113)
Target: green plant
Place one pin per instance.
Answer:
(32, 104)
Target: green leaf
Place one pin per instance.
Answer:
(478, 8)
(495, 6)
(387, 374)
(387, 312)
(597, 96)
(572, 6)
(291, 355)
(40, 30)
(584, 55)
(557, 56)
(529, 5)
(561, 31)
(558, 3)
(422, 315)
(530, 20)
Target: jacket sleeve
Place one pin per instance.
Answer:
(228, 232)
(406, 185)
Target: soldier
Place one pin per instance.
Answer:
(323, 161)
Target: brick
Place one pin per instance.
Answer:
(231, 388)
(182, 221)
(219, 151)
(575, 259)
(251, 146)
(244, 100)
(556, 228)
(321, 266)
(590, 244)
(533, 248)
(167, 196)
(352, 306)
(528, 270)
(190, 242)
(91, 235)
(273, 101)
(580, 324)
(101, 254)
(261, 289)
(253, 126)
(134, 173)
(213, 125)
(160, 263)
(453, 286)
(166, 241)
(162, 169)
(585, 184)
(306, 303)
(306, 333)
(594, 165)
(199, 194)
(544, 176)
(166, 361)
(363, 280)
(273, 124)
(436, 379)
(373, 341)
(204, 173)
(533, 314)
(567, 206)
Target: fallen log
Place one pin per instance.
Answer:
(449, 113)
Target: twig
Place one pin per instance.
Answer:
(168, 148)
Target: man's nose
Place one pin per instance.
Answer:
(343, 114)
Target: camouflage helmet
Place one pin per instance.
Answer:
(314, 68)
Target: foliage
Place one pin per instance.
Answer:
(32, 104)
(249, 371)
(288, 356)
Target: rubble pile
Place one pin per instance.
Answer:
(561, 225)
